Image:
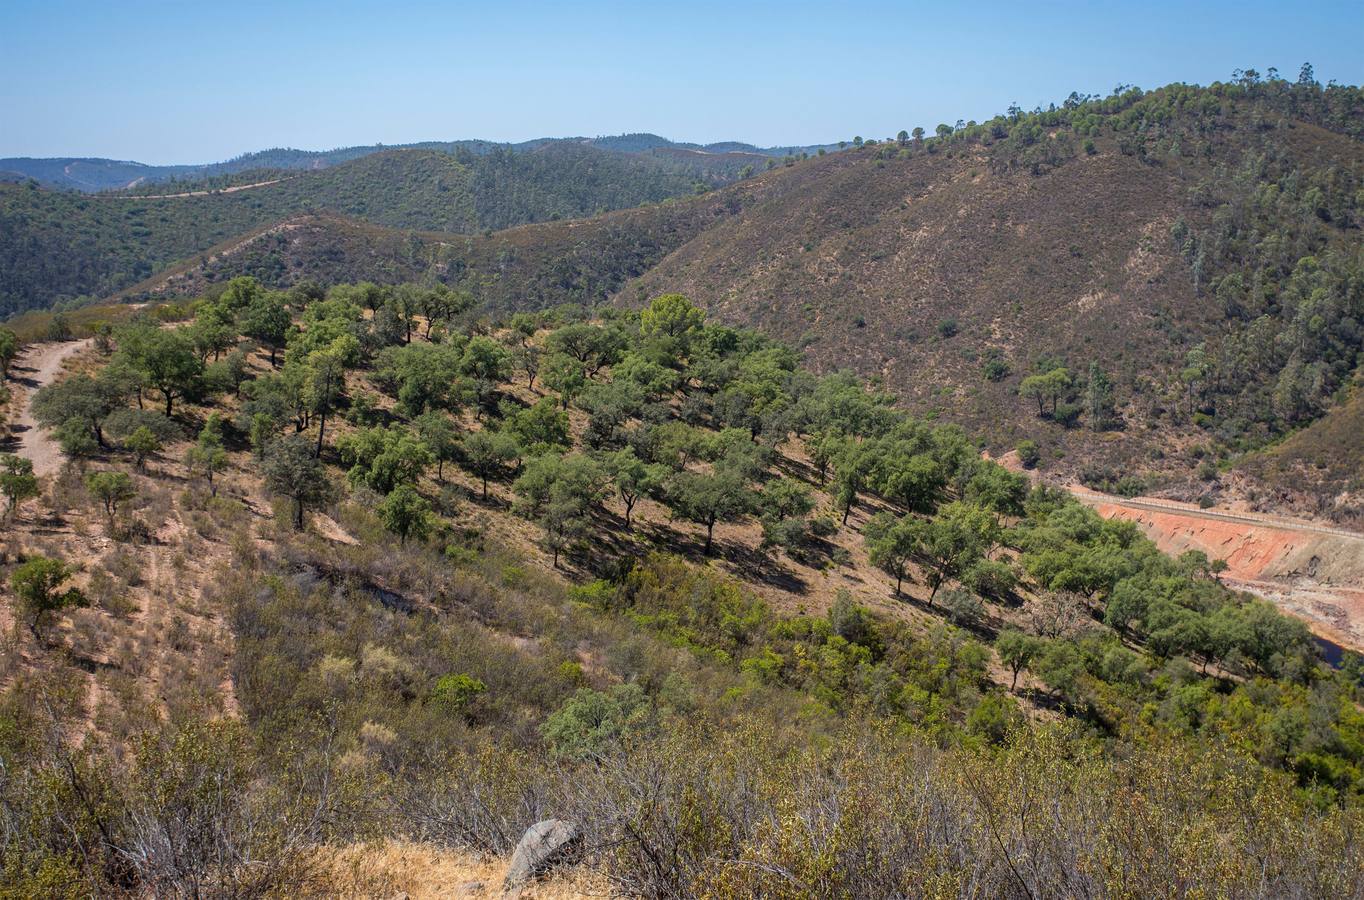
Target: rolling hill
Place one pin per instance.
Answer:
(456, 599)
(399, 519)
(1189, 258)
(58, 245)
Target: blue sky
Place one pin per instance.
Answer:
(182, 82)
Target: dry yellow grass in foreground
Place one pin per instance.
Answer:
(418, 871)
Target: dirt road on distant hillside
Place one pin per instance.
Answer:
(204, 193)
(38, 365)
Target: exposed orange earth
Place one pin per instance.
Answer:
(1313, 572)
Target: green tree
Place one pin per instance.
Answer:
(228, 374)
(914, 481)
(527, 359)
(488, 454)
(291, 470)
(1099, 409)
(59, 328)
(438, 432)
(709, 497)
(1061, 667)
(963, 606)
(824, 449)
(406, 513)
(384, 458)
(80, 397)
(994, 487)
(37, 584)
(142, 443)
(592, 347)
(1052, 385)
(169, 364)
(783, 507)
(438, 303)
(591, 722)
(576, 480)
(953, 540)
(75, 439)
(267, 320)
(17, 482)
(212, 331)
(564, 375)
(540, 427)
(112, 489)
(891, 542)
(632, 479)
(206, 455)
(852, 466)
(1017, 651)
(326, 383)
(488, 364)
(9, 349)
(454, 693)
(240, 293)
(524, 326)
(423, 377)
(563, 524)
(670, 316)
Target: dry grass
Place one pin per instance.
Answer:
(426, 872)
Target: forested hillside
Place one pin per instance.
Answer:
(58, 246)
(364, 565)
(1143, 286)
(1184, 260)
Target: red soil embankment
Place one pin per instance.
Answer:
(1313, 572)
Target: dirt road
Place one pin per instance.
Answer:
(38, 365)
(227, 190)
(1279, 523)
(1310, 570)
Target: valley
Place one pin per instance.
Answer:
(893, 260)
(971, 513)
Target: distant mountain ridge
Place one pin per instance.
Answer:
(93, 174)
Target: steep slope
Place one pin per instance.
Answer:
(903, 267)
(1189, 260)
(1318, 470)
(450, 679)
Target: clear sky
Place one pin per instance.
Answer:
(188, 82)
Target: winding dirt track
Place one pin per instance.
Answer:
(37, 366)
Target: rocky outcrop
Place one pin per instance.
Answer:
(544, 846)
